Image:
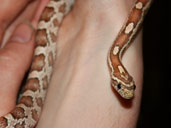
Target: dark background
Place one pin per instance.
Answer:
(154, 104)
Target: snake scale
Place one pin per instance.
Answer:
(27, 111)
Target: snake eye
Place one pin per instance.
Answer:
(119, 86)
(134, 87)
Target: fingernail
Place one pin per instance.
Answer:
(23, 32)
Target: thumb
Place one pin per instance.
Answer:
(15, 58)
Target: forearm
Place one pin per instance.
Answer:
(80, 94)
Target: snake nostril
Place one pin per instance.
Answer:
(119, 86)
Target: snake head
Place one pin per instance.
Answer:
(125, 90)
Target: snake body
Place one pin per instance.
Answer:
(120, 78)
(28, 110)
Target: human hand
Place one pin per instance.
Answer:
(17, 25)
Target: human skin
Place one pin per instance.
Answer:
(80, 93)
(15, 55)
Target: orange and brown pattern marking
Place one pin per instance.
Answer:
(50, 59)
(27, 100)
(47, 14)
(38, 62)
(39, 102)
(32, 84)
(121, 40)
(27, 110)
(56, 23)
(18, 113)
(128, 31)
(135, 16)
(143, 1)
(114, 82)
(3, 122)
(20, 126)
(62, 8)
(53, 37)
(41, 38)
(35, 115)
(45, 82)
(116, 72)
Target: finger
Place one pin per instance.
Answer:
(39, 10)
(27, 14)
(9, 10)
(15, 59)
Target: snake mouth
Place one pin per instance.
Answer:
(127, 94)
